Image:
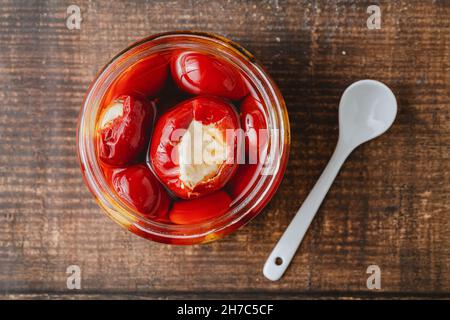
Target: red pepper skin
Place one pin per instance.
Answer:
(199, 73)
(163, 151)
(200, 209)
(140, 190)
(126, 138)
(252, 122)
(243, 181)
(147, 77)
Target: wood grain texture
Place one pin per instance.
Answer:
(389, 206)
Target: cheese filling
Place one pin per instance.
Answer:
(113, 111)
(202, 152)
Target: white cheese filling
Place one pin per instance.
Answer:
(202, 152)
(112, 112)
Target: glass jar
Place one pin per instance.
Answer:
(241, 210)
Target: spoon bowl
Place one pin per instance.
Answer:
(366, 110)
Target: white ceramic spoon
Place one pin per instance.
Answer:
(366, 110)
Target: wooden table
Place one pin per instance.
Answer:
(390, 205)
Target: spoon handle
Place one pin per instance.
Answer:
(288, 244)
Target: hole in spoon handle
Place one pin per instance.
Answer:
(279, 259)
(274, 268)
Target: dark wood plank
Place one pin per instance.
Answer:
(389, 206)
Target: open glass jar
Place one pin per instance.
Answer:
(257, 191)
